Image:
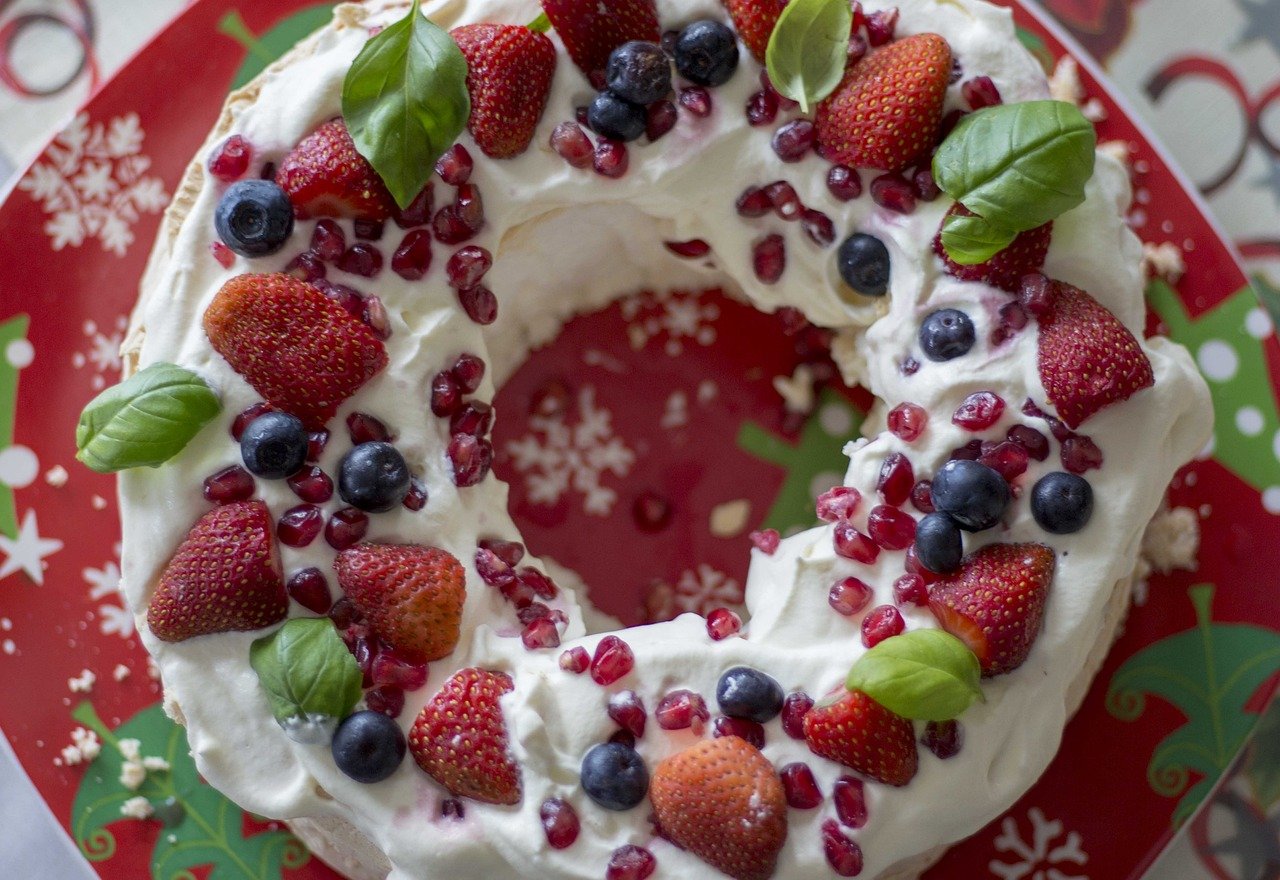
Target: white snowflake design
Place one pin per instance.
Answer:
(681, 316)
(104, 583)
(1048, 855)
(103, 353)
(93, 183)
(556, 457)
(699, 590)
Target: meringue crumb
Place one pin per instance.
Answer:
(57, 476)
(1163, 260)
(121, 672)
(1172, 540)
(137, 808)
(728, 520)
(797, 390)
(1064, 83)
(83, 683)
(1118, 150)
(98, 502)
(85, 746)
(132, 775)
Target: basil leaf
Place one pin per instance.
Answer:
(924, 674)
(310, 678)
(971, 240)
(809, 48)
(1018, 165)
(145, 420)
(541, 24)
(405, 101)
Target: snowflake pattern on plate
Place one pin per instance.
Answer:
(699, 590)
(104, 583)
(680, 316)
(103, 353)
(1049, 855)
(93, 183)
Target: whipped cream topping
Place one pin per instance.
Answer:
(567, 240)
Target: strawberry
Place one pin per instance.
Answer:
(852, 729)
(225, 577)
(591, 29)
(886, 112)
(298, 348)
(995, 603)
(1005, 270)
(509, 71)
(411, 596)
(755, 20)
(460, 738)
(722, 801)
(1088, 360)
(324, 176)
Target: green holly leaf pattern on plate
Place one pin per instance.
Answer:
(1262, 767)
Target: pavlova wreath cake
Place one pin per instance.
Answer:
(344, 618)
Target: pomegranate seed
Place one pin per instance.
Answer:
(907, 421)
(850, 799)
(979, 411)
(1036, 294)
(762, 107)
(691, 249)
(416, 498)
(893, 193)
(925, 186)
(517, 593)
(1013, 318)
(344, 296)
(510, 552)
(751, 731)
(1059, 430)
(980, 92)
(909, 589)
(1035, 443)
(949, 121)
(881, 622)
(857, 49)
(852, 544)
(766, 541)
(849, 596)
(453, 808)
(375, 315)
(542, 585)
(880, 25)
(910, 367)
(890, 527)
(957, 71)
(560, 822)
(896, 479)
(769, 258)
(572, 144)
(361, 259)
(470, 458)
(387, 700)
(922, 496)
(682, 710)
(580, 114)
(1008, 459)
(626, 710)
(913, 565)
(369, 230)
(784, 199)
(223, 254)
(475, 417)
(243, 419)
(312, 485)
(971, 451)
(943, 738)
(480, 304)
(306, 267)
(630, 862)
(309, 589)
(365, 428)
(818, 227)
(612, 660)
(611, 158)
(541, 633)
(754, 202)
(229, 484)
(784, 102)
(470, 207)
(446, 396)
(493, 570)
(795, 140)
(299, 525)
(346, 528)
(1080, 454)
(722, 623)
(449, 226)
(838, 503)
(800, 787)
(455, 166)
(412, 259)
(575, 660)
(794, 708)
(696, 100)
(468, 266)
(660, 118)
(390, 669)
(344, 614)
(230, 160)
(419, 211)
(844, 183)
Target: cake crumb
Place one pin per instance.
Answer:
(56, 476)
(1163, 260)
(728, 520)
(797, 390)
(1118, 150)
(121, 672)
(83, 683)
(1172, 540)
(137, 808)
(1064, 84)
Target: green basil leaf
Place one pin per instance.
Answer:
(145, 420)
(541, 24)
(1018, 165)
(405, 101)
(809, 48)
(924, 674)
(309, 677)
(971, 240)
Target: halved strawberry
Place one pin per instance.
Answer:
(411, 596)
(995, 603)
(754, 21)
(325, 176)
(1005, 270)
(886, 112)
(298, 348)
(1088, 360)
(722, 801)
(509, 72)
(852, 729)
(224, 577)
(460, 738)
(591, 29)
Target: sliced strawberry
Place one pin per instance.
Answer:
(509, 72)
(886, 112)
(852, 729)
(460, 738)
(755, 20)
(324, 176)
(591, 29)
(412, 596)
(722, 801)
(225, 577)
(1005, 270)
(298, 348)
(995, 603)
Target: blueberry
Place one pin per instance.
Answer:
(1062, 503)
(972, 494)
(373, 477)
(368, 746)
(864, 264)
(707, 53)
(639, 72)
(254, 218)
(616, 118)
(748, 693)
(946, 334)
(939, 546)
(614, 776)
(274, 445)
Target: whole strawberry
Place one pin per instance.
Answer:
(852, 729)
(460, 738)
(411, 596)
(509, 72)
(324, 176)
(1004, 270)
(886, 112)
(722, 801)
(298, 348)
(754, 21)
(591, 29)
(995, 603)
(1088, 360)
(224, 577)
